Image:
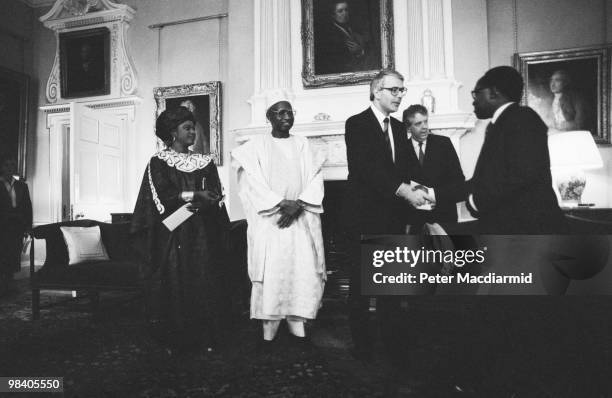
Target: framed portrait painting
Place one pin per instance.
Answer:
(85, 63)
(569, 89)
(345, 42)
(14, 102)
(204, 101)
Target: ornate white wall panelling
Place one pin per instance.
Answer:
(69, 16)
(423, 54)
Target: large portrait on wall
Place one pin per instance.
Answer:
(85, 63)
(569, 89)
(14, 100)
(203, 100)
(345, 42)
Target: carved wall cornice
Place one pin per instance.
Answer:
(68, 14)
(38, 3)
(102, 104)
(72, 15)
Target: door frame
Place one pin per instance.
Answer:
(58, 117)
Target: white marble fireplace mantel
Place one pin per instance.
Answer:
(328, 136)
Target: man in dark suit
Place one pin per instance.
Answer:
(15, 219)
(377, 196)
(510, 192)
(433, 162)
(339, 46)
(511, 189)
(86, 71)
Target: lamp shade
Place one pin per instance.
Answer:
(573, 150)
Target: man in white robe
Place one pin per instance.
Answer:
(281, 188)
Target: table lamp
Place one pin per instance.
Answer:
(571, 153)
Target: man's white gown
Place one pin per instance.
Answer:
(286, 266)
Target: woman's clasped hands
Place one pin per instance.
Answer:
(204, 199)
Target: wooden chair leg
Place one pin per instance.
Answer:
(35, 304)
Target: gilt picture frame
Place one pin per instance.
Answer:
(204, 100)
(345, 42)
(85, 63)
(569, 89)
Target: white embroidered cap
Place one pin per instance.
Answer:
(276, 96)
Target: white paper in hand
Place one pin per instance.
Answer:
(178, 217)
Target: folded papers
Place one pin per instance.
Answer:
(178, 217)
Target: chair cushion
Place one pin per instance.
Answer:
(111, 274)
(84, 244)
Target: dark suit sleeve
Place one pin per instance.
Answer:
(366, 159)
(453, 189)
(27, 207)
(522, 161)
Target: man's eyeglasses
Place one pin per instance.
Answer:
(284, 113)
(395, 91)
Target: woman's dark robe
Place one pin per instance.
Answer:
(189, 262)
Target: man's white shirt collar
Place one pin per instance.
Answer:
(379, 115)
(415, 145)
(499, 111)
(10, 181)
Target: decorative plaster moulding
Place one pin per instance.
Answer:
(126, 102)
(38, 3)
(66, 14)
(74, 15)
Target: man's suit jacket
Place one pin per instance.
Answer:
(371, 203)
(332, 52)
(441, 167)
(512, 184)
(22, 214)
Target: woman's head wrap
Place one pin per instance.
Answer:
(169, 120)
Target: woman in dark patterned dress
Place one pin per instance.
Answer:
(190, 260)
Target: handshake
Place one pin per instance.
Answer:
(417, 195)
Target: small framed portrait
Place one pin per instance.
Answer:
(204, 101)
(345, 42)
(569, 89)
(85, 63)
(14, 102)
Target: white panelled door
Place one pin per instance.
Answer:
(97, 167)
